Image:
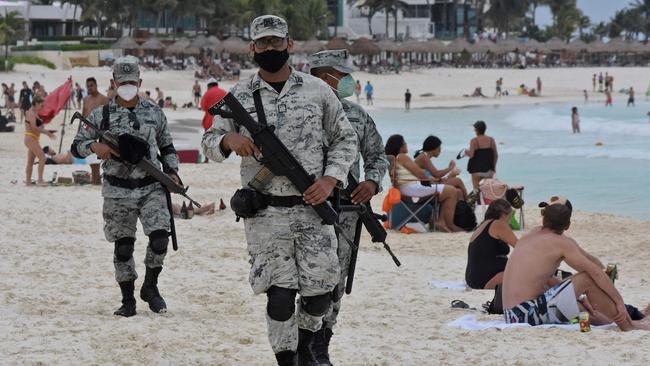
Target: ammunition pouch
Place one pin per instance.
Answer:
(247, 202)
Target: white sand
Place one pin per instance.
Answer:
(57, 291)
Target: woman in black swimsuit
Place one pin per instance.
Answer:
(482, 155)
(488, 249)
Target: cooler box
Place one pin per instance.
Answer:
(188, 155)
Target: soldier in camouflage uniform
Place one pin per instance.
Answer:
(333, 67)
(291, 251)
(129, 193)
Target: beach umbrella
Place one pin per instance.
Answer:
(125, 43)
(506, 46)
(618, 45)
(556, 44)
(235, 45)
(414, 45)
(191, 50)
(337, 44)
(577, 46)
(434, 46)
(597, 46)
(387, 45)
(309, 47)
(533, 45)
(213, 43)
(200, 41)
(458, 45)
(482, 46)
(364, 46)
(178, 47)
(152, 44)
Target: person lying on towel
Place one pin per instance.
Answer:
(51, 157)
(536, 258)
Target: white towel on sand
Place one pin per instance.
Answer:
(469, 322)
(451, 285)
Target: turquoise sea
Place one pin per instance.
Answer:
(538, 150)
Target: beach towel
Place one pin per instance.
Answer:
(469, 322)
(450, 285)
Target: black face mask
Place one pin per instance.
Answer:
(271, 61)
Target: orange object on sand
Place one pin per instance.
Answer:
(392, 198)
(406, 230)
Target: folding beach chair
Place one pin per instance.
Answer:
(423, 210)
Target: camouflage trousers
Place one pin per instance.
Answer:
(291, 248)
(347, 223)
(120, 221)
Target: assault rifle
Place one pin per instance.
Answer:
(276, 157)
(370, 221)
(145, 164)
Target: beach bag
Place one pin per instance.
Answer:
(514, 224)
(513, 196)
(495, 306)
(492, 189)
(392, 198)
(464, 217)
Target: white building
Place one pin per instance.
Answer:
(46, 21)
(422, 19)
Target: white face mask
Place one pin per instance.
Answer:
(127, 91)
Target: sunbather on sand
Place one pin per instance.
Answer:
(51, 157)
(534, 261)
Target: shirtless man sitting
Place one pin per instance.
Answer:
(94, 98)
(529, 272)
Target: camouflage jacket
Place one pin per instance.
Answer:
(152, 128)
(308, 119)
(371, 146)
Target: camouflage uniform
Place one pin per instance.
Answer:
(289, 247)
(123, 206)
(371, 149)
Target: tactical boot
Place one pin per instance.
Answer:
(128, 300)
(320, 347)
(149, 291)
(305, 355)
(287, 358)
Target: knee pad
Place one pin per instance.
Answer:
(281, 303)
(158, 241)
(124, 249)
(316, 305)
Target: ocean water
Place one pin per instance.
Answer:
(538, 150)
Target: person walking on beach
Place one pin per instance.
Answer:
(357, 91)
(291, 251)
(593, 82)
(498, 92)
(78, 93)
(483, 156)
(611, 83)
(369, 89)
(333, 68)
(607, 82)
(196, 92)
(407, 100)
(586, 95)
(539, 86)
(160, 97)
(608, 98)
(33, 129)
(24, 100)
(129, 192)
(575, 120)
(94, 99)
(630, 97)
(600, 82)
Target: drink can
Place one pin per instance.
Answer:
(611, 271)
(584, 322)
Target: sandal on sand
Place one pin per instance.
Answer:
(459, 304)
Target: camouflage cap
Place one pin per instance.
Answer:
(269, 25)
(337, 59)
(126, 69)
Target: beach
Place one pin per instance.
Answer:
(58, 291)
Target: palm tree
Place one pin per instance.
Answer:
(10, 26)
(601, 30)
(644, 7)
(503, 13)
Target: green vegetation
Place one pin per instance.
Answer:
(32, 60)
(63, 47)
(10, 64)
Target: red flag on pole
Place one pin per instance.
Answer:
(56, 101)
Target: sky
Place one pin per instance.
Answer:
(596, 10)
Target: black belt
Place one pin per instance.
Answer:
(130, 183)
(283, 201)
